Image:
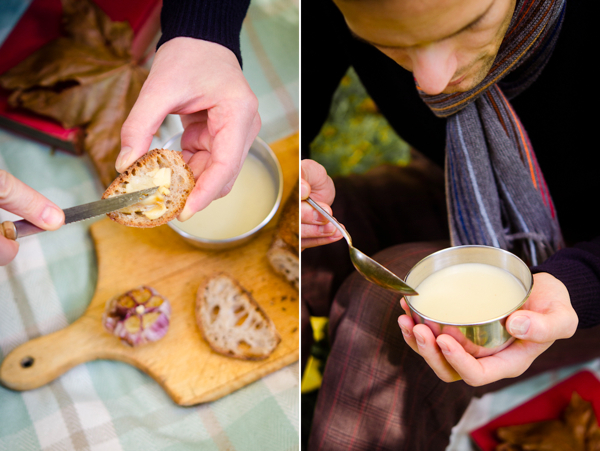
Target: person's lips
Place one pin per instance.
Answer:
(457, 82)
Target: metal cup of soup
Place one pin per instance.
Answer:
(236, 218)
(468, 292)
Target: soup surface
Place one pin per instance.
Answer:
(468, 293)
(249, 202)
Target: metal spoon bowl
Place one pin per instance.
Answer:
(369, 268)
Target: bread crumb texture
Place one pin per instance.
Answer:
(159, 167)
(232, 322)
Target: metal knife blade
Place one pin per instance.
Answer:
(86, 211)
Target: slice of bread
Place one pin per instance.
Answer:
(167, 204)
(285, 249)
(232, 322)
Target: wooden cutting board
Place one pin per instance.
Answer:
(181, 362)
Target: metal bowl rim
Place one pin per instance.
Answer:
(498, 318)
(256, 228)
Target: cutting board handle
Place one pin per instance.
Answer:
(43, 359)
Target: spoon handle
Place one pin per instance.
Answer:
(331, 219)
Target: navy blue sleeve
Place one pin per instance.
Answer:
(578, 267)
(217, 21)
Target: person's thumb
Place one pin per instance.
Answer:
(542, 327)
(143, 121)
(304, 189)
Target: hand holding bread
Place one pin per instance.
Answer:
(159, 167)
(202, 82)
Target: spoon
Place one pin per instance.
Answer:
(369, 268)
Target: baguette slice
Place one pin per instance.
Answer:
(232, 322)
(171, 201)
(284, 251)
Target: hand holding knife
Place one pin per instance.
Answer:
(23, 228)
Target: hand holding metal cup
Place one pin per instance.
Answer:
(481, 338)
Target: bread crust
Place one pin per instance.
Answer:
(182, 184)
(288, 228)
(283, 255)
(232, 322)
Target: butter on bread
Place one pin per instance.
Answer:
(284, 253)
(232, 322)
(159, 167)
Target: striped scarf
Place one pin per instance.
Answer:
(495, 190)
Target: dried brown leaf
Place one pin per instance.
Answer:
(86, 78)
(576, 431)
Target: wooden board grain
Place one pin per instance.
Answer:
(181, 362)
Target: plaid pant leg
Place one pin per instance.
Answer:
(377, 393)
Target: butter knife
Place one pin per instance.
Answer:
(23, 228)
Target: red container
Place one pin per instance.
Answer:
(548, 405)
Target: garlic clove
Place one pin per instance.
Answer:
(155, 204)
(154, 301)
(155, 326)
(157, 211)
(133, 324)
(138, 317)
(141, 294)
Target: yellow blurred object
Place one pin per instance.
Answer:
(312, 377)
(319, 326)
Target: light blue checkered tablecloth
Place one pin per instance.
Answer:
(106, 405)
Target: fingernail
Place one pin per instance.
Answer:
(303, 191)
(122, 162)
(51, 217)
(326, 229)
(405, 331)
(444, 347)
(185, 214)
(420, 339)
(519, 325)
(318, 219)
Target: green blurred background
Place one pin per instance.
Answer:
(356, 137)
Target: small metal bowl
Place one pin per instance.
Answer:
(265, 155)
(478, 339)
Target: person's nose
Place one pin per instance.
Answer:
(434, 66)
